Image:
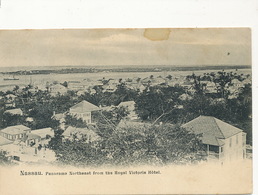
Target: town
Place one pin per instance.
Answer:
(158, 119)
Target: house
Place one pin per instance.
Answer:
(236, 83)
(75, 85)
(136, 86)
(158, 81)
(10, 101)
(146, 81)
(15, 132)
(41, 87)
(185, 97)
(44, 133)
(87, 133)
(130, 106)
(31, 139)
(109, 88)
(83, 110)
(16, 111)
(223, 142)
(209, 87)
(57, 89)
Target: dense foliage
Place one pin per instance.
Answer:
(4, 160)
(156, 145)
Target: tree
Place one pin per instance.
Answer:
(42, 115)
(169, 77)
(13, 119)
(56, 142)
(65, 84)
(74, 122)
(163, 144)
(4, 160)
(158, 103)
(107, 121)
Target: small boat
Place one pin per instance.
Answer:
(10, 78)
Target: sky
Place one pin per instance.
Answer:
(91, 47)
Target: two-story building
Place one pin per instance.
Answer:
(223, 142)
(83, 110)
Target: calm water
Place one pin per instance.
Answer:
(42, 79)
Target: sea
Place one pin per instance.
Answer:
(39, 79)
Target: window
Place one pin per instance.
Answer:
(221, 149)
(230, 142)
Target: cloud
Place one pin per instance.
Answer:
(125, 47)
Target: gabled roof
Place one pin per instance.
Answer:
(32, 136)
(57, 87)
(13, 130)
(16, 111)
(127, 103)
(11, 96)
(212, 129)
(84, 106)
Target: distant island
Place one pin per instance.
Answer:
(151, 68)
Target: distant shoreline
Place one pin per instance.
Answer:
(151, 68)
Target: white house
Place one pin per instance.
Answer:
(223, 141)
(15, 132)
(84, 111)
(16, 111)
(44, 133)
(57, 89)
(10, 100)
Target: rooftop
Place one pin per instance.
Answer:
(84, 106)
(13, 130)
(212, 129)
(43, 132)
(16, 111)
(127, 103)
(32, 136)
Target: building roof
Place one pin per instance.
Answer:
(4, 141)
(32, 136)
(44, 132)
(16, 111)
(57, 87)
(212, 129)
(127, 103)
(59, 116)
(11, 96)
(13, 130)
(84, 106)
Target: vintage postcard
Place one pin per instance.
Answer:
(126, 111)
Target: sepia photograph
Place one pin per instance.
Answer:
(169, 104)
